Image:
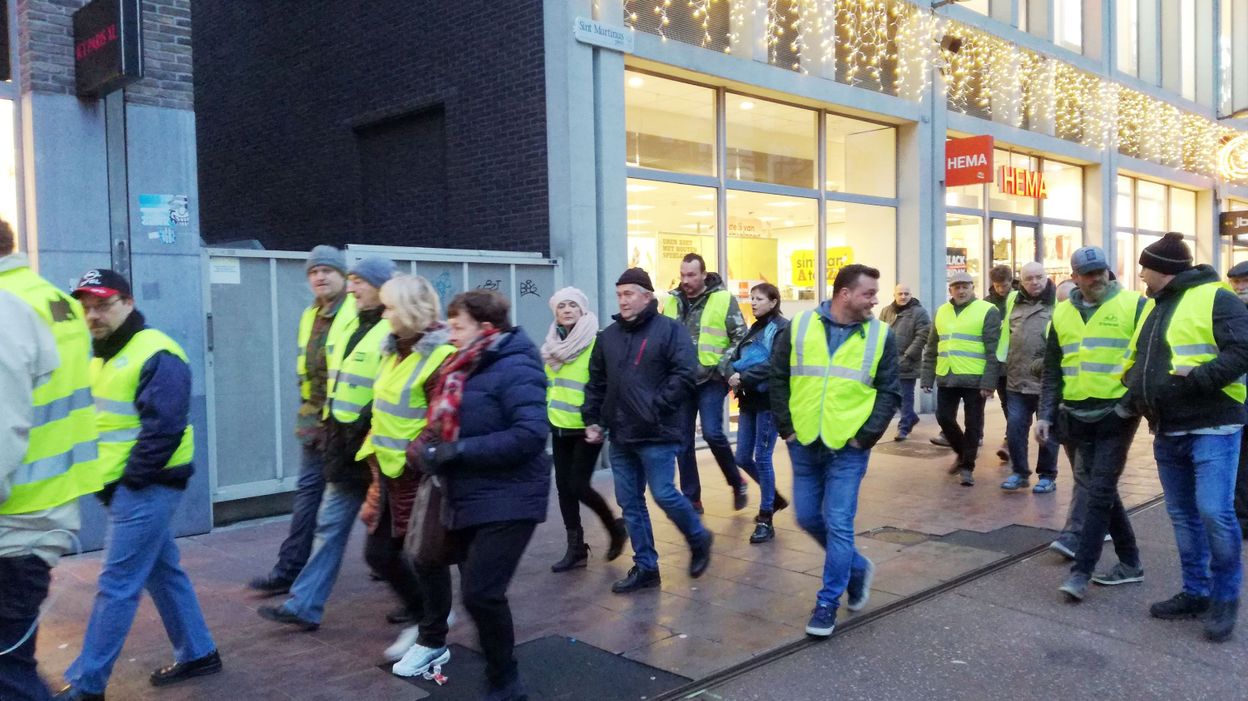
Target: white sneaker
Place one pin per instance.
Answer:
(419, 659)
(402, 644)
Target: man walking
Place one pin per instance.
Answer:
(1028, 325)
(642, 369)
(322, 328)
(1237, 276)
(1002, 294)
(1190, 355)
(47, 453)
(961, 359)
(910, 324)
(713, 319)
(835, 388)
(141, 380)
(1081, 404)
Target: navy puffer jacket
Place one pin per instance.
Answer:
(503, 470)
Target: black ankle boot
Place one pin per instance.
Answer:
(763, 530)
(577, 554)
(619, 536)
(1221, 621)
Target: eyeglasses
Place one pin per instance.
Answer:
(101, 308)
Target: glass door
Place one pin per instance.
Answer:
(1013, 243)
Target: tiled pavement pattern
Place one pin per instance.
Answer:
(753, 598)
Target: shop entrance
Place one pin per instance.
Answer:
(1013, 243)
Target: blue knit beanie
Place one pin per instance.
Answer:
(373, 270)
(327, 255)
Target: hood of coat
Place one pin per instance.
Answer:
(434, 336)
(13, 261)
(514, 341)
(1194, 277)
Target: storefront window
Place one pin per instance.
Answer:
(8, 166)
(1126, 259)
(1068, 24)
(769, 142)
(667, 221)
(773, 239)
(1150, 205)
(1065, 191)
(670, 125)
(1060, 242)
(861, 157)
(1182, 211)
(1125, 202)
(1013, 243)
(1145, 210)
(964, 250)
(967, 196)
(860, 233)
(1006, 202)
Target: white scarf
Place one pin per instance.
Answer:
(558, 352)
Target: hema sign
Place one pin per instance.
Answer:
(968, 161)
(107, 53)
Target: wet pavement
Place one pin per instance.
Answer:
(919, 526)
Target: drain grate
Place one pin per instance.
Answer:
(896, 536)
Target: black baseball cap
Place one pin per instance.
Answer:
(102, 283)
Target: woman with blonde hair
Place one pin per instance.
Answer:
(412, 353)
(566, 351)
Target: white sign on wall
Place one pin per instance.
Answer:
(607, 36)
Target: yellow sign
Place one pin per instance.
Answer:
(802, 270)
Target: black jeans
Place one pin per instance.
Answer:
(964, 443)
(425, 591)
(23, 587)
(574, 467)
(1241, 485)
(1100, 455)
(297, 547)
(489, 554)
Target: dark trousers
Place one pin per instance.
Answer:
(1018, 435)
(707, 403)
(1003, 397)
(297, 547)
(964, 443)
(1241, 485)
(424, 591)
(23, 587)
(1100, 455)
(574, 467)
(489, 556)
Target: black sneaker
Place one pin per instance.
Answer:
(269, 585)
(780, 504)
(822, 622)
(1221, 620)
(179, 671)
(1120, 574)
(763, 532)
(740, 497)
(281, 614)
(1181, 605)
(1075, 587)
(637, 580)
(700, 556)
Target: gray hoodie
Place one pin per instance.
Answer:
(27, 356)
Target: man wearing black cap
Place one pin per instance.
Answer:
(641, 373)
(1238, 277)
(141, 381)
(1186, 378)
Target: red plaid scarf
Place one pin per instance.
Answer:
(448, 393)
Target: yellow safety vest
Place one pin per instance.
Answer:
(1094, 353)
(830, 398)
(400, 407)
(1003, 345)
(60, 463)
(960, 347)
(345, 315)
(115, 385)
(350, 387)
(1190, 334)
(712, 341)
(565, 391)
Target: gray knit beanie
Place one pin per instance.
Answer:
(374, 270)
(328, 256)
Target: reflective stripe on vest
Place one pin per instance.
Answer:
(712, 340)
(831, 397)
(116, 385)
(342, 318)
(1190, 334)
(1094, 353)
(960, 339)
(400, 407)
(1003, 344)
(60, 463)
(565, 391)
(350, 389)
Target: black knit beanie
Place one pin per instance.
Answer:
(636, 276)
(1169, 256)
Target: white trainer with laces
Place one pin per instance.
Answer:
(420, 659)
(403, 643)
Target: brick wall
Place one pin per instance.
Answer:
(283, 91)
(46, 50)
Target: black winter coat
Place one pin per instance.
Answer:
(640, 374)
(910, 324)
(502, 472)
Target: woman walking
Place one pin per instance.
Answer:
(411, 354)
(487, 440)
(756, 429)
(566, 352)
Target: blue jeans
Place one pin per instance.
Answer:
(339, 508)
(756, 440)
(708, 403)
(908, 417)
(297, 547)
(635, 465)
(1198, 478)
(825, 499)
(1022, 409)
(141, 554)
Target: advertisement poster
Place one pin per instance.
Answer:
(802, 270)
(674, 247)
(955, 260)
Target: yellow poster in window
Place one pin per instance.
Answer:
(673, 248)
(802, 264)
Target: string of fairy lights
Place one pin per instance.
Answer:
(891, 46)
